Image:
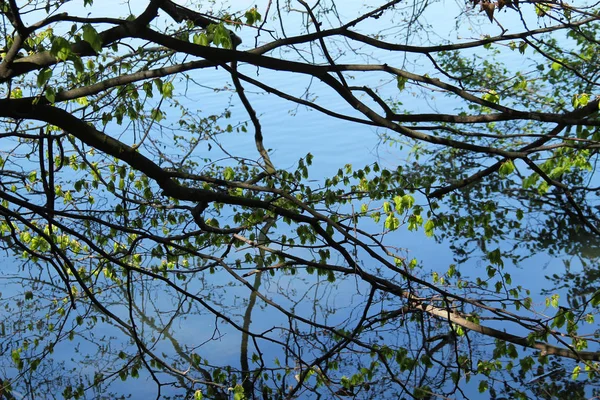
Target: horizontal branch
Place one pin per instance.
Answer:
(545, 348)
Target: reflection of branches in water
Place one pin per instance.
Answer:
(188, 356)
(41, 324)
(138, 247)
(249, 379)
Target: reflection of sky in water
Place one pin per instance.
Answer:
(292, 132)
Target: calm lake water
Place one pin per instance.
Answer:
(292, 132)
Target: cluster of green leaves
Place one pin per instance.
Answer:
(115, 228)
(219, 34)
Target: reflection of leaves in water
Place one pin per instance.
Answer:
(141, 221)
(550, 381)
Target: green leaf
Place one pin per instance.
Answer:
(403, 203)
(596, 299)
(221, 35)
(491, 96)
(252, 16)
(16, 93)
(541, 9)
(376, 217)
(229, 174)
(91, 36)
(200, 39)
(559, 319)
(401, 82)
(429, 228)
(576, 372)
(414, 221)
(519, 214)
(61, 48)
(330, 277)
(16, 356)
(391, 222)
(495, 257)
(511, 351)
(157, 115)
(580, 100)
(387, 208)
(553, 301)
(589, 318)
(483, 386)
(50, 94)
(522, 47)
(506, 168)
(238, 393)
(43, 76)
(166, 89)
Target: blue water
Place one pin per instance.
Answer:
(291, 132)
